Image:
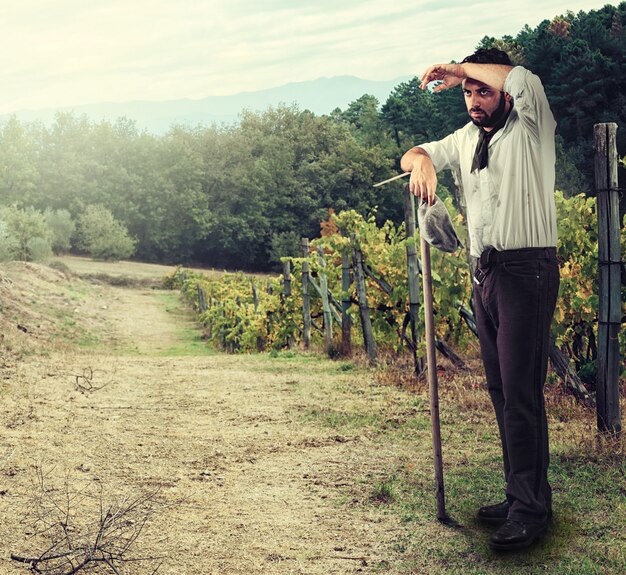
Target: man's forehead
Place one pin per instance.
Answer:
(471, 84)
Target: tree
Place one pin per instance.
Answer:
(581, 85)
(284, 244)
(416, 116)
(581, 59)
(369, 129)
(507, 44)
(62, 228)
(102, 236)
(67, 174)
(8, 245)
(19, 175)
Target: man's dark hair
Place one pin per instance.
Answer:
(488, 56)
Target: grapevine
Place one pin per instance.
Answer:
(247, 314)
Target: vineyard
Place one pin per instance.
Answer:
(244, 314)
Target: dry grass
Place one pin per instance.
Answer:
(126, 270)
(251, 483)
(86, 266)
(275, 464)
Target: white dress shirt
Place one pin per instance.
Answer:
(510, 203)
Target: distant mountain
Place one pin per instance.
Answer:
(320, 96)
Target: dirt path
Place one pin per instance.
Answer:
(250, 479)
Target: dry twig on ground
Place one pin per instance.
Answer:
(84, 382)
(78, 532)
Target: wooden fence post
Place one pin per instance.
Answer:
(255, 303)
(413, 276)
(346, 320)
(287, 278)
(609, 283)
(364, 310)
(210, 326)
(255, 296)
(201, 299)
(222, 331)
(328, 318)
(287, 294)
(306, 301)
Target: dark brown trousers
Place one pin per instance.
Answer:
(515, 294)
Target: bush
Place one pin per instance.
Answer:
(27, 236)
(38, 249)
(102, 236)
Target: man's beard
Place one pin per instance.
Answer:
(488, 121)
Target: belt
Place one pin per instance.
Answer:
(492, 256)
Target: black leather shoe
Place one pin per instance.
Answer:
(494, 514)
(498, 513)
(517, 535)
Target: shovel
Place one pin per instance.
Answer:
(433, 388)
(431, 361)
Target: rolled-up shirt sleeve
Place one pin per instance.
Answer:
(530, 101)
(443, 153)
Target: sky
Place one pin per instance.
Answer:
(56, 53)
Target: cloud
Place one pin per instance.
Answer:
(69, 52)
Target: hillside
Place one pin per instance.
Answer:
(320, 96)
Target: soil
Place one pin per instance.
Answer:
(242, 479)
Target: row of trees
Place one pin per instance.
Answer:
(242, 195)
(227, 196)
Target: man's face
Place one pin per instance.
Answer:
(484, 103)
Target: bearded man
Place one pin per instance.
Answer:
(506, 157)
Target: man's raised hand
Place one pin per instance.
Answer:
(450, 75)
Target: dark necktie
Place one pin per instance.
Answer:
(481, 154)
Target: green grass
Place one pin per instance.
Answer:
(68, 331)
(385, 491)
(302, 363)
(190, 340)
(587, 536)
(588, 533)
(342, 421)
(191, 343)
(90, 341)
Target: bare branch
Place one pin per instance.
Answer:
(77, 531)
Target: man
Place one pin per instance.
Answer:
(506, 159)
